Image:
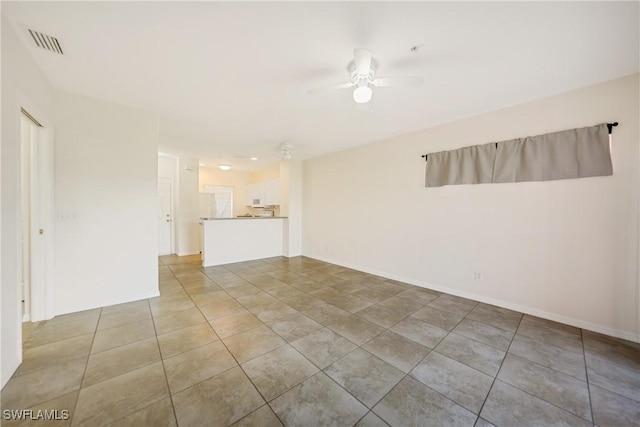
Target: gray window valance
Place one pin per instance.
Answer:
(574, 153)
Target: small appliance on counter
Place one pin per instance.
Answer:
(266, 214)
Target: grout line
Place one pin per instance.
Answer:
(586, 374)
(495, 378)
(375, 415)
(545, 366)
(84, 372)
(235, 360)
(282, 270)
(545, 401)
(301, 354)
(531, 394)
(164, 369)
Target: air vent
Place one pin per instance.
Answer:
(46, 42)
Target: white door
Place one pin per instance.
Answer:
(165, 218)
(25, 231)
(37, 222)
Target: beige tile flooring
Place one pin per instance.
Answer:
(300, 342)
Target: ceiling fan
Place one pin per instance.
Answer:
(362, 71)
(285, 151)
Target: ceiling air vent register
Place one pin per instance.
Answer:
(45, 41)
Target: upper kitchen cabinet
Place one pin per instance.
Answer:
(272, 192)
(255, 195)
(263, 193)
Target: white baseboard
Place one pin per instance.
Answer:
(188, 253)
(578, 323)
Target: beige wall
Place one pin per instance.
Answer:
(266, 174)
(565, 250)
(236, 179)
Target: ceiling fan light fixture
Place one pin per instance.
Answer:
(287, 150)
(362, 94)
(224, 166)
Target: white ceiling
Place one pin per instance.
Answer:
(230, 80)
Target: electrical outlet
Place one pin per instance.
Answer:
(478, 275)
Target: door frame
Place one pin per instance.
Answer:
(42, 289)
(26, 166)
(172, 248)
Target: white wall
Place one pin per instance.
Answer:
(168, 167)
(291, 207)
(565, 250)
(106, 174)
(23, 85)
(188, 230)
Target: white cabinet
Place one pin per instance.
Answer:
(272, 192)
(255, 195)
(263, 193)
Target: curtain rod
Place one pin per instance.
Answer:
(610, 126)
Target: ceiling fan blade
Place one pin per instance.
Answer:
(398, 81)
(362, 60)
(330, 88)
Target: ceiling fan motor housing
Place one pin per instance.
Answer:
(359, 78)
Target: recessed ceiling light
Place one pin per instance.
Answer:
(254, 158)
(162, 154)
(202, 164)
(224, 166)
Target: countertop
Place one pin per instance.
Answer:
(244, 217)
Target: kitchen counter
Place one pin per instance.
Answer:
(225, 242)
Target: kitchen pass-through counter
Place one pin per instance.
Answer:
(229, 240)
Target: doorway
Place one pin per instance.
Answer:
(36, 231)
(25, 229)
(165, 216)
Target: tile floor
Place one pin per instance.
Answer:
(304, 343)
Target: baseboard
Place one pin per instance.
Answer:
(578, 323)
(188, 253)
